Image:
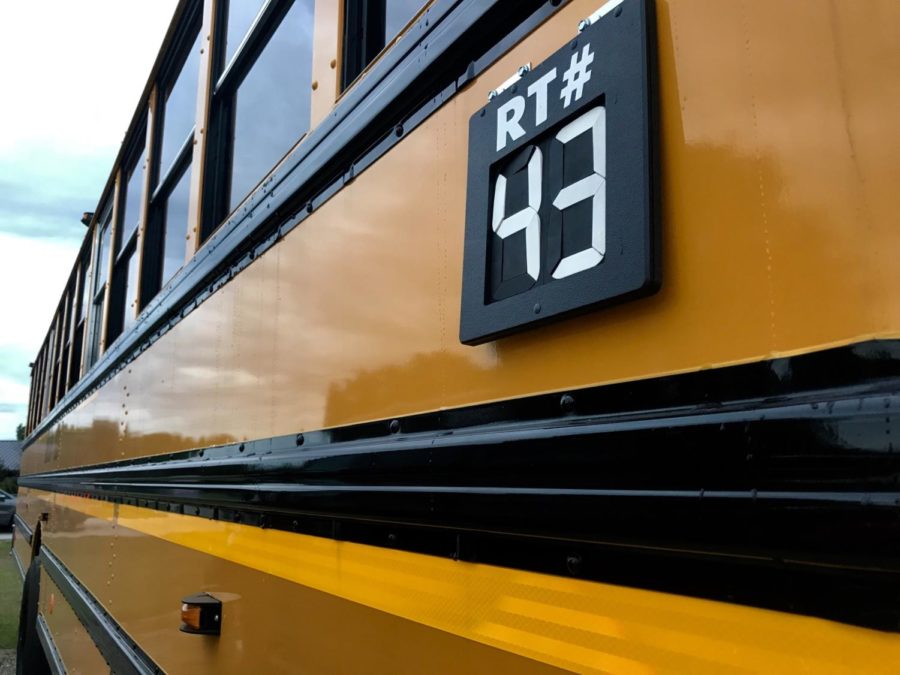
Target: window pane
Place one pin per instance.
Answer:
(131, 284)
(398, 13)
(178, 119)
(101, 269)
(240, 17)
(96, 326)
(132, 217)
(176, 227)
(272, 106)
(83, 286)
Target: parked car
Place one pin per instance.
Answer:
(7, 508)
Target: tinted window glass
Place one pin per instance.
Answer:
(96, 327)
(398, 13)
(132, 217)
(131, 285)
(240, 17)
(83, 288)
(103, 256)
(178, 119)
(176, 227)
(272, 103)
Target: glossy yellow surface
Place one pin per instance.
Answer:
(21, 549)
(74, 644)
(338, 604)
(780, 160)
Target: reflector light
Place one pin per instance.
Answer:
(201, 614)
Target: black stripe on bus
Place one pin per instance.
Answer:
(773, 484)
(452, 43)
(123, 655)
(57, 667)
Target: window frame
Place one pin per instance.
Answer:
(226, 80)
(164, 180)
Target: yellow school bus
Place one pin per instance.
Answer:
(482, 335)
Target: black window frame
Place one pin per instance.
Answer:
(227, 78)
(364, 36)
(95, 344)
(125, 249)
(164, 180)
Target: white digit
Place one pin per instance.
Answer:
(527, 219)
(593, 186)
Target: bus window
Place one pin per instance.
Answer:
(369, 26)
(272, 103)
(101, 271)
(241, 14)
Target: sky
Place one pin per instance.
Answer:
(71, 76)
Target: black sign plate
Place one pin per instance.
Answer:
(560, 213)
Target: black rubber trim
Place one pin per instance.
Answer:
(122, 654)
(772, 484)
(57, 667)
(23, 528)
(435, 60)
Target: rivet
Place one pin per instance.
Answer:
(333, 63)
(567, 403)
(241, 447)
(583, 24)
(309, 207)
(398, 130)
(395, 426)
(573, 564)
(523, 70)
(618, 11)
(315, 85)
(299, 439)
(492, 94)
(537, 308)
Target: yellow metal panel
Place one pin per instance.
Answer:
(75, 645)
(326, 58)
(365, 598)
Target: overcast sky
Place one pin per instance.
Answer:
(71, 76)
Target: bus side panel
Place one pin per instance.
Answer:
(301, 603)
(74, 644)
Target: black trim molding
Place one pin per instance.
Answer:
(123, 655)
(772, 484)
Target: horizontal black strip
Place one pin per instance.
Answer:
(716, 483)
(451, 43)
(122, 654)
(22, 528)
(57, 667)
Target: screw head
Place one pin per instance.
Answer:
(523, 70)
(492, 94)
(583, 24)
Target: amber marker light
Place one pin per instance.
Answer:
(201, 614)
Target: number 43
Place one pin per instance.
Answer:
(592, 186)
